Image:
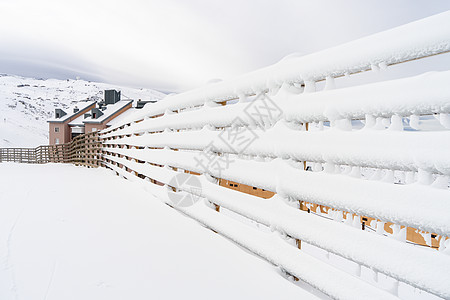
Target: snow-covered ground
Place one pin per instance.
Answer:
(27, 103)
(69, 232)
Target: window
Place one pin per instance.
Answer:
(56, 141)
(56, 129)
(94, 129)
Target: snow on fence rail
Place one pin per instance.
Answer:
(405, 98)
(404, 151)
(374, 155)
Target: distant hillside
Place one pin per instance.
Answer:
(27, 103)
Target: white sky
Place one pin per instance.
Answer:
(174, 45)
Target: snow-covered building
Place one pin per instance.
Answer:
(59, 129)
(99, 117)
(86, 116)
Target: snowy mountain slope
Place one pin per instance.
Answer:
(27, 103)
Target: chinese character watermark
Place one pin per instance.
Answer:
(237, 138)
(263, 110)
(190, 187)
(210, 161)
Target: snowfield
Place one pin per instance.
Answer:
(69, 232)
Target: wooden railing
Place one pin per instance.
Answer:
(21, 155)
(82, 150)
(85, 150)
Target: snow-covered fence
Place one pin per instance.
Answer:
(339, 162)
(82, 150)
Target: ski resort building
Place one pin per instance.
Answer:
(59, 129)
(87, 116)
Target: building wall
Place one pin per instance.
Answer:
(63, 135)
(89, 127)
(246, 188)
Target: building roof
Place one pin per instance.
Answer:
(69, 112)
(122, 117)
(110, 111)
(78, 121)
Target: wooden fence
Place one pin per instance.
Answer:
(82, 150)
(356, 172)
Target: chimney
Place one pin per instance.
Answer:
(111, 96)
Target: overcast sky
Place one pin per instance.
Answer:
(175, 45)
